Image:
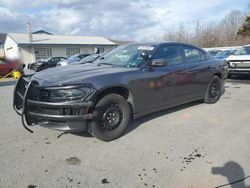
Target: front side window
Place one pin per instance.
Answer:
(193, 55)
(171, 54)
(43, 53)
(72, 51)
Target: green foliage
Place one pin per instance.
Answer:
(245, 28)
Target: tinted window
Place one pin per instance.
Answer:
(193, 55)
(170, 53)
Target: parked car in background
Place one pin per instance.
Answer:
(89, 59)
(128, 82)
(213, 53)
(224, 54)
(6, 66)
(72, 59)
(44, 64)
(239, 63)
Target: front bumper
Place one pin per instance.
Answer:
(239, 70)
(65, 116)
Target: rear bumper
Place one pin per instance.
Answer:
(64, 116)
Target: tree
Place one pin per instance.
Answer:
(206, 35)
(232, 22)
(180, 34)
(230, 31)
(245, 28)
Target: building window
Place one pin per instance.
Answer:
(72, 51)
(101, 49)
(43, 53)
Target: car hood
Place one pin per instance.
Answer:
(75, 74)
(238, 57)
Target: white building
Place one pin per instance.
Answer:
(30, 48)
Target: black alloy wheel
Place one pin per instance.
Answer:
(213, 92)
(113, 116)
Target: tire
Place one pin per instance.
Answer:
(113, 117)
(213, 92)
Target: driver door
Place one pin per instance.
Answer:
(164, 83)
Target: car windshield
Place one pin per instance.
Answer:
(47, 59)
(223, 53)
(125, 56)
(90, 58)
(73, 58)
(243, 51)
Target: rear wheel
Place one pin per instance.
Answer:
(213, 92)
(114, 114)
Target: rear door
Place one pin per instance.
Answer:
(198, 71)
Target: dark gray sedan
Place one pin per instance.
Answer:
(128, 82)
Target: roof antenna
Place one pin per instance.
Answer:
(29, 31)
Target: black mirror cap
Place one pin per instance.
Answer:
(158, 63)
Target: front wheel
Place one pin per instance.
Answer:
(114, 114)
(213, 92)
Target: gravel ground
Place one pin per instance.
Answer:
(192, 146)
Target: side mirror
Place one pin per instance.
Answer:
(145, 55)
(158, 63)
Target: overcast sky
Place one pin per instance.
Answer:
(117, 19)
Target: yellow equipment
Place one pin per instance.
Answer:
(16, 74)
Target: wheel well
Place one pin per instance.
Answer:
(218, 74)
(116, 90)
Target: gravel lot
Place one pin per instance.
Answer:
(191, 146)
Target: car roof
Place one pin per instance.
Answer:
(165, 43)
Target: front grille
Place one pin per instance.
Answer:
(43, 95)
(239, 64)
(33, 104)
(22, 86)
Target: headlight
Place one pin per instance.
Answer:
(69, 94)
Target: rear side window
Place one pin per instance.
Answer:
(170, 53)
(193, 55)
